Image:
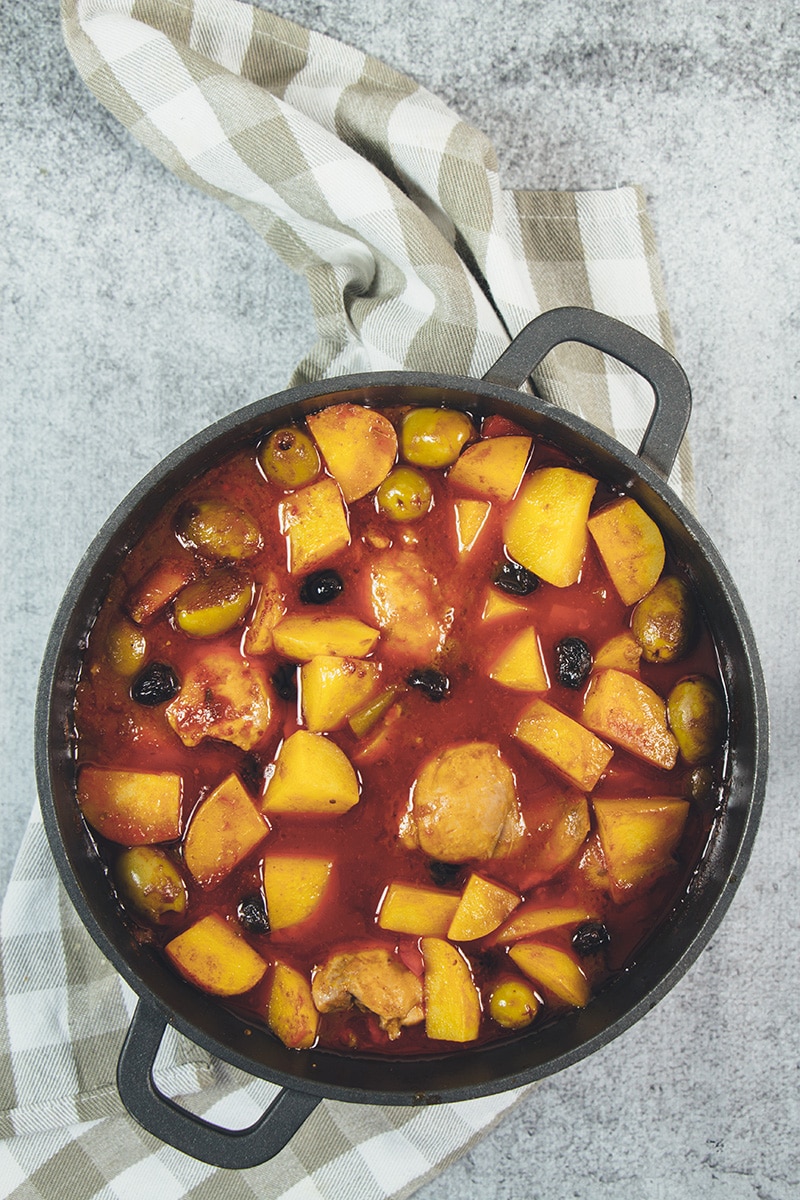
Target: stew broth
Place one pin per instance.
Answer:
(592, 881)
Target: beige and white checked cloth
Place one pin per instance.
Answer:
(416, 258)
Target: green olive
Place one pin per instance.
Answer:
(434, 437)
(149, 881)
(289, 458)
(404, 495)
(696, 716)
(126, 648)
(218, 529)
(513, 1004)
(699, 784)
(663, 622)
(214, 605)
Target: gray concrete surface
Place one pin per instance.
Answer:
(134, 311)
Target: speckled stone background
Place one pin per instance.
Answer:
(135, 311)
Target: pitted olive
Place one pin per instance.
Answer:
(663, 623)
(404, 495)
(149, 881)
(217, 529)
(696, 716)
(434, 437)
(289, 458)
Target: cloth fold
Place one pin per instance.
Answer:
(416, 258)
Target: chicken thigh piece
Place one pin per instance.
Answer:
(464, 805)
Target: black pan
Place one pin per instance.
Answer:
(307, 1077)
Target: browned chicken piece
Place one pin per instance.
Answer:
(376, 980)
(223, 696)
(407, 605)
(464, 805)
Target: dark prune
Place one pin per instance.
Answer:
(284, 680)
(443, 874)
(590, 938)
(321, 587)
(251, 774)
(155, 685)
(514, 578)
(433, 684)
(252, 914)
(573, 662)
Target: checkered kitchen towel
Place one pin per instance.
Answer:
(416, 258)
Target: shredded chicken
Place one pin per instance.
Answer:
(376, 980)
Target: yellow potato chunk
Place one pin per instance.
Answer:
(530, 920)
(554, 969)
(560, 827)
(358, 444)
(622, 652)
(499, 605)
(630, 714)
(631, 547)
(420, 911)
(135, 808)
(312, 775)
(314, 522)
(452, 1001)
(470, 516)
(546, 528)
(520, 665)
(407, 607)
(638, 837)
(270, 608)
(303, 638)
(212, 956)
(493, 467)
(224, 829)
(567, 746)
(332, 688)
(294, 885)
(291, 1014)
(464, 805)
(222, 696)
(483, 906)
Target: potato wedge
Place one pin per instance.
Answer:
(567, 746)
(638, 837)
(452, 1001)
(618, 706)
(294, 885)
(314, 522)
(546, 528)
(520, 665)
(631, 546)
(303, 638)
(420, 911)
(213, 956)
(312, 775)
(223, 830)
(331, 688)
(483, 906)
(492, 468)
(359, 446)
(291, 1013)
(135, 808)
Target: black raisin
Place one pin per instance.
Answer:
(251, 774)
(443, 874)
(154, 685)
(573, 662)
(590, 938)
(284, 680)
(433, 684)
(514, 578)
(321, 587)
(252, 914)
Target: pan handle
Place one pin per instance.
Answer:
(673, 397)
(234, 1149)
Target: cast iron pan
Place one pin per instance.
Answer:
(307, 1077)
